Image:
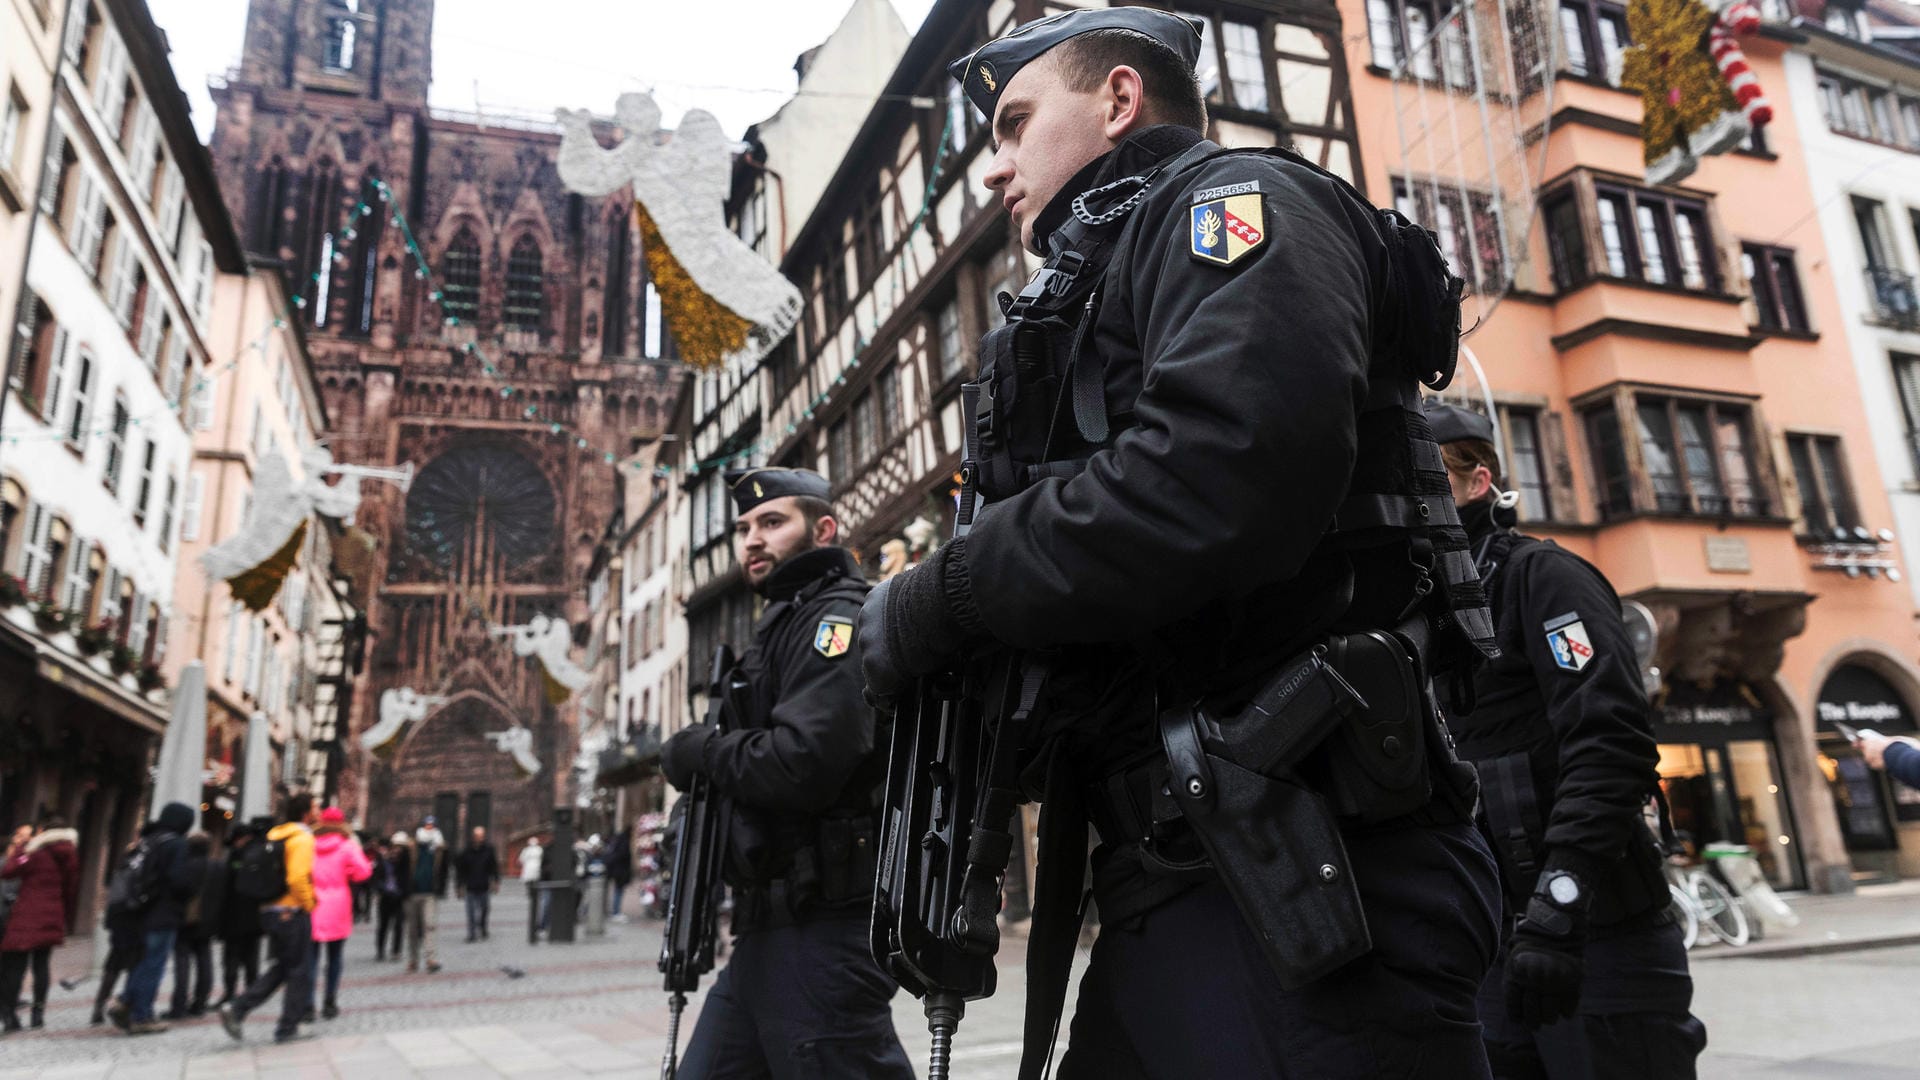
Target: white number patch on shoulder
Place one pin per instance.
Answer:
(833, 636)
(1567, 640)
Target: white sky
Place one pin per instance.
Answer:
(733, 58)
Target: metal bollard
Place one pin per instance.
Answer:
(596, 906)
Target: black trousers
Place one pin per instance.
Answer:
(1186, 992)
(13, 973)
(120, 960)
(192, 956)
(238, 953)
(392, 921)
(289, 933)
(1634, 1020)
(798, 1002)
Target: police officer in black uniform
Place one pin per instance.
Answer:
(1210, 487)
(801, 995)
(1593, 981)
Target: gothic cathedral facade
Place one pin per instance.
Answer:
(524, 356)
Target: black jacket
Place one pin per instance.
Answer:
(204, 905)
(1565, 696)
(811, 729)
(477, 869)
(177, 875)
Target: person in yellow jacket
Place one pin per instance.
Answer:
(287, 923)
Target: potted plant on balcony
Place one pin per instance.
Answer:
(50, 618)
(95, 639)
(150, 678)
(122, 660)
(13, 591)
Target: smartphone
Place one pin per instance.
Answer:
(1848, 733)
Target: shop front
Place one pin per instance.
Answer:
(1720, 771)
(1874, 811)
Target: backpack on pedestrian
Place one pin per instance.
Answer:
(260, 871)
(136, 884)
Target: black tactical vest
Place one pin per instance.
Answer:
(1039, 410)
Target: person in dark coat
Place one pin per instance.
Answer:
(193, 946)
(477, 877)
(1592, 979)
(126, 942)
(392, 864)
(237, 923)
(48, 872)
(619, 868)
(1899, 755)
(174, 883)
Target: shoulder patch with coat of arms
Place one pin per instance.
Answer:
(833, 636)
(1227, 223)
(1568, 642)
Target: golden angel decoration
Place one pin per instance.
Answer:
(723, 302)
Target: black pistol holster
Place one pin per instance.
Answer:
(1269, 790)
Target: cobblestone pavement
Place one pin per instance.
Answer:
(595, 1008)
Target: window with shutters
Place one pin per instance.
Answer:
(87, 221)
(76, 589)
(116, 444)
(171, 202)
(109, 79)
(79, 407)
(137, 625)
(172, 500)
(153, 330)
(143, 145)
(10, 128)
(128, 285)
(525, 299)
(176, 369)
(37, 342)
(200, 411)
(143, 494)
(36, 549)
(460, 278)
(13, 505)
(190, 507)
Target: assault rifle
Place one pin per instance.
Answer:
(946, 821)
(693, 896)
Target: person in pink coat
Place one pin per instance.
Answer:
(338, 862)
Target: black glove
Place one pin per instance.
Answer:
(685, 754)
(1544, 965)
(912, 625)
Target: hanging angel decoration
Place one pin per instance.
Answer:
(723, 301)
(256, 560)
(1698, 94)
(399, 707)
(548, 640)
(517, 741)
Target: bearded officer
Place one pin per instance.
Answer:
(1593, 981)
(801, 995)
(1206, 470)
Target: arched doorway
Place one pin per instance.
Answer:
(1864, 691)
(447, 761)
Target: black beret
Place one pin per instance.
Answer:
(751, 487)
(988, 69)
(1451, 423)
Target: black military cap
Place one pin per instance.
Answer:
(1451, 423)
(751, 487)
(989, 69)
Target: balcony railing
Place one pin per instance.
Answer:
(1894, 298)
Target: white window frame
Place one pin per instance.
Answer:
(200, 409)
(89, 226)
(36, 556)
(153, 330)
(176, 369)
(143, 492)
(124, 286)
(110, 79)
(81, 399)
(73, 586)
(172, 203)
(143, 145)
(168, 514)
(231, 654)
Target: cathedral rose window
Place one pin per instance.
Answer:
(486, 490)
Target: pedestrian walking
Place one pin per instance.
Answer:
(532, 863)
(390, 865)
(162, 887)
(1592, 980)
(477, 877)
(1240, 496)
(126, 941)
(619, 872)
(338, 864)
(426, 878)
(238, 923)
(282, 861)
(801, 994)
(45, 869)
(193, 946)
